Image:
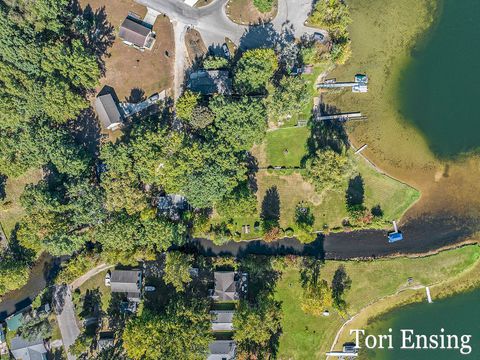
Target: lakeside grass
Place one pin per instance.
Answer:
(287, 146)
(308, 337)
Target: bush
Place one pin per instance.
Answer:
(263, 6)
(215, 63)
(76, 267)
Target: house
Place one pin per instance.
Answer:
(225, 286)
(209, 82)
(222, 350)
(171, 205)
(127, 281)
(105, 340)
(28, 350)
(222, 320)
(135, 33)
(3, 342)
(107, 112)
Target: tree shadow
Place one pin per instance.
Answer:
(86, 131)
(252, 169)
(136, 95)
(3, 184)
(355, 193)
(98, 33)
(91, 303)
(270, 213)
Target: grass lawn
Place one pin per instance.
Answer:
(127, 68)
(11, 210)
(308, 337)
(98, 282)
(286, 147)
(244, 12)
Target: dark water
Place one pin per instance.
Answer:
(439, 89)
(458, 315)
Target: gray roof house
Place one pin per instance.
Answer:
(222, 350)
(107, 112)
(28, 350)
(222, 320)
(210, 82)
(127, 281)
(225, 286)
(134, 33)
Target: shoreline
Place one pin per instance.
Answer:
(374, 311)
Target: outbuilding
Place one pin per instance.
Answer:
(107, 112)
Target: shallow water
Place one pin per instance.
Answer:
(439, 87)
(457, 315)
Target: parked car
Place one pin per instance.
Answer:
(226, 50)
(318, 37)
(149, 288)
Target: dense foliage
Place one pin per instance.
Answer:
(328, 170)
(263, 6)
(254, 69)
(177, 269)
(181, 332)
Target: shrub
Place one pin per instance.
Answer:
(263, 6)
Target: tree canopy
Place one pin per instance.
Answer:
(181, 332)
(254, 70)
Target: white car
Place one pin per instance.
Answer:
(149, 288)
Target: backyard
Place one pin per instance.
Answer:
(306, 337)
(129, 69)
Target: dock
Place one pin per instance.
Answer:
(429, 297)
(342, 116)
(359, 85)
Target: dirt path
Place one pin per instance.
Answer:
(89, 274)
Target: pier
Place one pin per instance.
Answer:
(359, 85)
(429, 297)
(341, 117)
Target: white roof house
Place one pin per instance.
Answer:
(222, 350)
(222, 320)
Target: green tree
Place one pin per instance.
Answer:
(185, 105)
(316, 295)
(256, 327)
(120, 181)
(181, 332)
(202, 116)
(341, 282)
(239, 123)
(215, 63)
(328, 170)
(13, 273)
(177, 269)
(333, 16)
(263, 6)
(254, 70)
(289, 98)
(241, 202)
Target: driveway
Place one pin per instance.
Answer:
(66, 319)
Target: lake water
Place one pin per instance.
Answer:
(439, 89)
(457, 315)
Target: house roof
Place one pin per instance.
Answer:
(222, 320)
(126, 281)
(210, 82)
(14, 321)
(222, 349)
(107, 110)
(28, 350)
(134, 32)
(225, 286)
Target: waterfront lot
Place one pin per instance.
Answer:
(308, 337)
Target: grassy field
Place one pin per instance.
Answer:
(308, 337)
(11, 210)
(286, 147)
(97, 282)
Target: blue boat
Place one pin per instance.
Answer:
(395, 236)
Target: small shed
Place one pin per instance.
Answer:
(107, 112)
(134, 33)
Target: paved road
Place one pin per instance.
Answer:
(67, 322)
